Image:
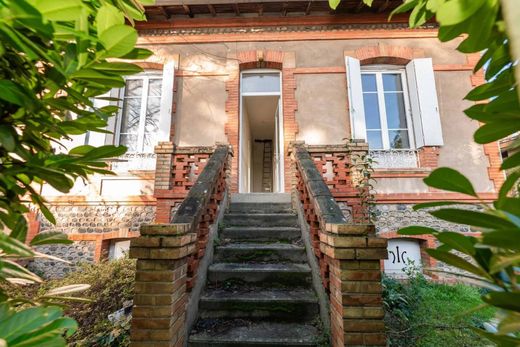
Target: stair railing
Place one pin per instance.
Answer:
(168, 256)
(349, 256)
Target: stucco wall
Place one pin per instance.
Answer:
(200, 115)
(322, 114)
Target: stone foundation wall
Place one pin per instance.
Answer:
(392, 217)
(76, 253)
(92, 227)
(98, 218)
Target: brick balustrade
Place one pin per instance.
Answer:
(167, 254)
(349, 253)
(176, 171)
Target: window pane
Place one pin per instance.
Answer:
(368, 82)
(372, 119)
(395, 111)
(152, 123)
(266, 82)
(399, 139)
(134, 88)
(392, 82)
(130, 115)
(154, 87)
(374, 139)
(130, 141)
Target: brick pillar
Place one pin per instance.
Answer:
(160, 294)
(163, 177)
(353, 253)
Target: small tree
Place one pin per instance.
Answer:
(55, 58)
(495, 254)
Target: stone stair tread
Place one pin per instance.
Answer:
(256, 267)
(246, 229)
(260, 295)
(256, 215)
(248, 333)
(260, 246)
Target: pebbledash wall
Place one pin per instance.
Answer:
(100, 214)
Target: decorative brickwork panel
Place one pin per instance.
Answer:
(168, 254)
(348, 253)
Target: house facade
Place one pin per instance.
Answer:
(266, 78)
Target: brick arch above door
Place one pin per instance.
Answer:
(385, 54)
(261, 59)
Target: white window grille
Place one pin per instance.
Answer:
(394, 159)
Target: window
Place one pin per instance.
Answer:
(387, 118)
(402, 253)
(140, 113)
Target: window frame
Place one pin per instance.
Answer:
(145, 76)
(378, 71)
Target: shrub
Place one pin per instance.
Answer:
(112, 284)
(422, 313)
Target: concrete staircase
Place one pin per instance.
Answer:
(259, 290)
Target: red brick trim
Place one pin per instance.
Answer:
(252, 60)
(385, 54)
(400, 173)
(96, 200)
(33, 225)
(413, 198)
(102, 240)
(290, 36)
(222, 22)
(428, 156)
(492, 150)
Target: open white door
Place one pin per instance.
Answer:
(278, 152)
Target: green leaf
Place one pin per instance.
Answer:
(455, 260)
(508, 301)
(495, 131)
(13, 272)
(11, 92)
(118, 68)
(511, 162)
(457, 11)
(334, 3)
(73, 288)
(59, 10)
(502, 261)
(12, 246)
(500, 340)
(108, 16)
(509, 324)
(511, 205)
(473, 218)
(436, 204)
(485, 91)
(138, 54)
(417, 230)
(50, 237)
(6, 138)
(505, 238)
(368, 2)
(118, 40)
(451, 180)
(404, 7)
(458, 241)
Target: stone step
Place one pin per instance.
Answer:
(295, 304)
(259, 234)
(286, 275)
(244, 333)
(261, 219)
(255, 252)
(246, 207)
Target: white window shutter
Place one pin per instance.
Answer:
(355, 99)
(423, 101)
(94, 138)
(166, 101)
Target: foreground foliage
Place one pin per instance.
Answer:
(53, 65)
(421, 313)
(111, 287)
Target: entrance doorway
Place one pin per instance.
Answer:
(261, 132)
